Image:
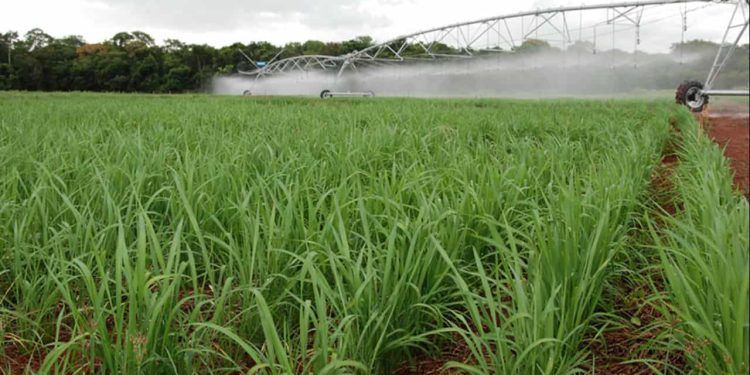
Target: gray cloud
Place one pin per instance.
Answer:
(221, 22)
(223, 15)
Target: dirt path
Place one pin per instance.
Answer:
(729, 126)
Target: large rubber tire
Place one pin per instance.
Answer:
(686, 95)
(247, 93)
(325, 94)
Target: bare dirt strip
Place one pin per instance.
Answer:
(729, 126)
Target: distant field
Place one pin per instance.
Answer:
(204, 234)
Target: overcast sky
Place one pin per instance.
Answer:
(222, 22)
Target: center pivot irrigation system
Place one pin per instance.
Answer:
(562, 27)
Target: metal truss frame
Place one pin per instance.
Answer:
(736, 28)
(493, 34)
(506, 33)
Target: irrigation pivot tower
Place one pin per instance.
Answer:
(561, 26)
(695, 94)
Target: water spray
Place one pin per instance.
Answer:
(504, 36)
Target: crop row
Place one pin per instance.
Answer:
(147, 234)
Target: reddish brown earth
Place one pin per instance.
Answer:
(455, 351)
(616, 348)
(729, 126)
(16, 356)
(15, 360)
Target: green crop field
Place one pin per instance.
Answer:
(202, 234)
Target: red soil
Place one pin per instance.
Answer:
(424, 364)
(618, 350)
(13, 360)
(729, 126)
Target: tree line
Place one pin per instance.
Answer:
(134, 62)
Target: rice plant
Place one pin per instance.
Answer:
(199, 234)
(705, 259)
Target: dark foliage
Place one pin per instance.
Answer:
(133, 62)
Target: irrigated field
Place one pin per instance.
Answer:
(197, 234)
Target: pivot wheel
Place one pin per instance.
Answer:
(325, 94)
(247, 93)
(689, 93)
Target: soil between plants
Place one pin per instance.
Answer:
(729, 126)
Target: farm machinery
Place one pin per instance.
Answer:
(695, 94)
(562, 27)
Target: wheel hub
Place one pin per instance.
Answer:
(694, 98)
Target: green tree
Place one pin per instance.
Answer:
(133, 61)
(581, 46)
(357, 44)
(177, 79)
(313, 47)
(174, 45)
(227, 58)
(7, 76)
(332, 49)
(144, 38)
(261, 51)
(36, 38)
(533, 45)
(694, 46)
(7, 40)
(292, 49)
(121, 39)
